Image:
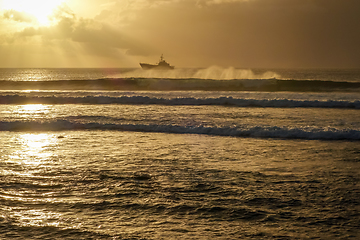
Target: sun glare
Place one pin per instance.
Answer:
(39, 9)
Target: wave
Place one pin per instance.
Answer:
(184, 84)
(144, 100)
(254, 132)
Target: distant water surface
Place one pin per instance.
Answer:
(214, 72)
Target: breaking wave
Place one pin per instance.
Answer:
(184, 84)
(144, 100)
(254, 132)
(210, 79)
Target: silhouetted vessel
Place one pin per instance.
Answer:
(162, 65)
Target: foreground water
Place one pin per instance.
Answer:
(105, 184)
(80, 164)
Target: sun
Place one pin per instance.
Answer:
(39, 9)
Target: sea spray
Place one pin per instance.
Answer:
(213, 72)
(219, 73)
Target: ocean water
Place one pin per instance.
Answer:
(218, 153)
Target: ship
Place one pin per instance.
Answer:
(162, 65)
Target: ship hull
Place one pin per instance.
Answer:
(147, 66)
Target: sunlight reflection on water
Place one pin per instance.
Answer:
(31, 110)
(34, 148)
(32, 154)
(33, 217)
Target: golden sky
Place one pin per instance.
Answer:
(190, 33)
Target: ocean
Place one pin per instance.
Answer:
(215, 153)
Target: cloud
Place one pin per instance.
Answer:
(240, 33)
(18, 16)
(272, 33)
(94, 34)
(70, 37)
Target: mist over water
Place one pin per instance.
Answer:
(213, 72)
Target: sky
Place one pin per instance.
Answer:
(190, 33)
